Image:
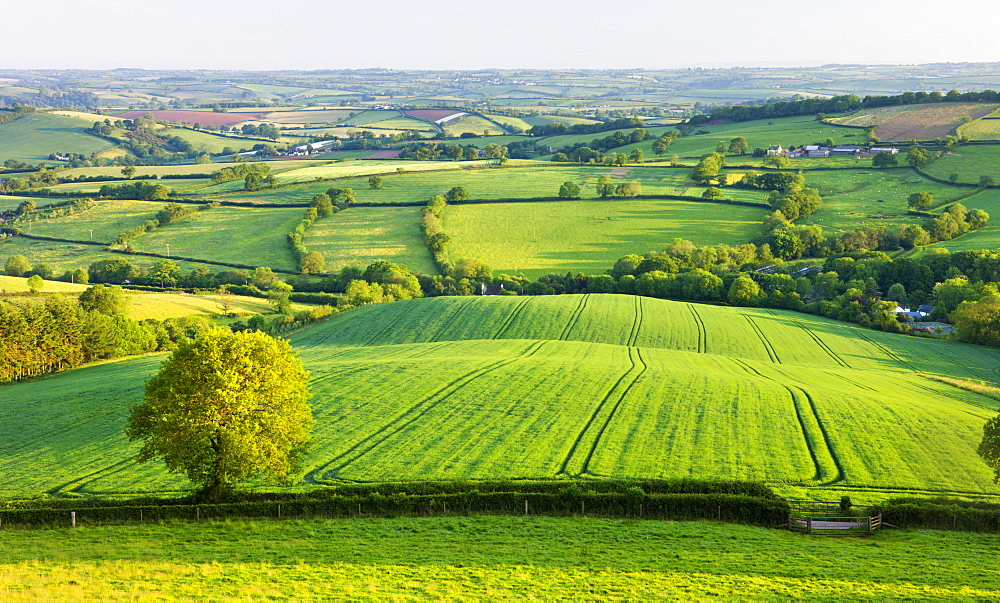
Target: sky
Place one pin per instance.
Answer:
(542, 34)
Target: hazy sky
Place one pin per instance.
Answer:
(329, 34)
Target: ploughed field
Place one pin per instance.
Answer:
(591, 385)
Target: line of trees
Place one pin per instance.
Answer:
(59, 333)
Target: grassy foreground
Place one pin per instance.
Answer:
(494, 557)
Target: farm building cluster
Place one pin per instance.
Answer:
(815, 150)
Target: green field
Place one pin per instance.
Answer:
(520, 183)
(969, 162)
(321, 116)
(860, 198)
(107, 220)
(37, 135)
(490, 558)
(254, 237)
(143, 305)
(342, 170)
(66, 256)
(588, 235)
(594, 386)
(470, 123)
(984, 128)
(211, 143)
(360, 235)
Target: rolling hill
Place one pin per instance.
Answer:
(592, 386)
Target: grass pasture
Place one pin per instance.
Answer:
(256, 237)
(64, 256)
(35, 136)
(670, 390)
(470, 123)
(501, 183)
(855, 199)
(490, 558)
(360, 235)
(969, 162)
(588, 235)
(984, 128)
(107, 220)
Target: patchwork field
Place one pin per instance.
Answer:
(490, 558)
(35, 136)
(588, 236)
(596, 386)
(208, 118)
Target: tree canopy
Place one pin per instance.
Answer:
(225, 408)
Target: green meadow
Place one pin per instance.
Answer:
(359, 236)
(102, 223)
(969, 162)
(855, 199)
(595, 386)
(588, 235)
(249, 236)
(35, 136)
(490, 558)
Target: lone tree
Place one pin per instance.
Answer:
(884, 159)
(569, 190)
(921, 201)
(224, 408)
(375, 181)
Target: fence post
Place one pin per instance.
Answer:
(809, 525)
(72, 519)
(526, 506)
(197, 513)
(279, 511)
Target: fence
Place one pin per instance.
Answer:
(830, 519)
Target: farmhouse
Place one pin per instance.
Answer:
(847, 150)
(877, 150)
(491, 289)
(775, 150)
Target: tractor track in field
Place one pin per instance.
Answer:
(575, 317)
(636, 360)
(702, 333)
(807, 436)
(513, 315)
(636, 322)
(771, 353)
(387, 329)
(851, 381)
(827, 443)
(413, 413)
(78, 484)
(454, 319)
(823, 346)
(887, 351)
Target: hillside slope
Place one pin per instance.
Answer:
(593, 386)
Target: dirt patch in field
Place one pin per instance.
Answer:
(208, 118)
(384, 155)
(619, 173)
(927, 122)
